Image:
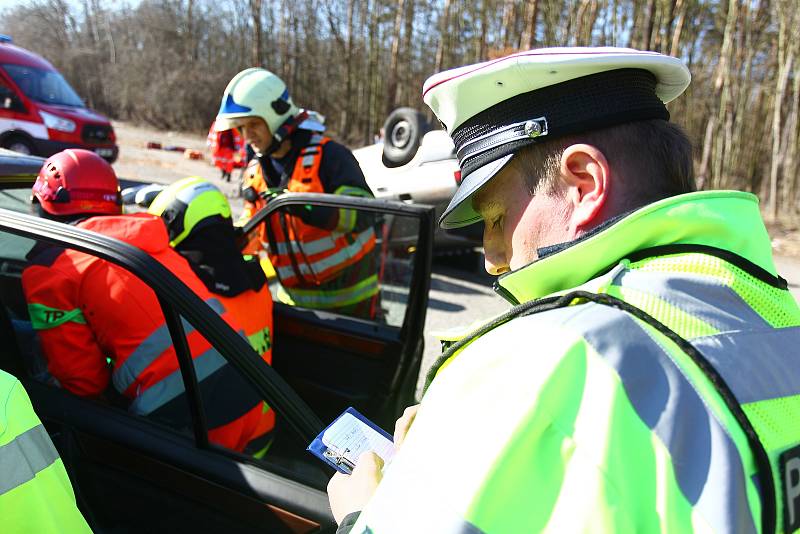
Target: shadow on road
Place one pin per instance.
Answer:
(442, 305)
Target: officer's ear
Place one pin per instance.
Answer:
(585, 175)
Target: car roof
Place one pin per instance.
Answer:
(18, 170)
(13, 54)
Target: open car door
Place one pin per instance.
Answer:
(339, 357)
(137, 472)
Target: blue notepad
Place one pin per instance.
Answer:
(349, 435)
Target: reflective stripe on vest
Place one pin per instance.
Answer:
(329, 298)
(23, 457)
(364, 241)
(667, 402)
(171, 385)
(150, 349)
(757, 360)
(305, 255)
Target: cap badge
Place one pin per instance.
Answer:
(535, 128)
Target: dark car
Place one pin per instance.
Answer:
(134, 473)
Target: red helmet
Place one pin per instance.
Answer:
(77, 181)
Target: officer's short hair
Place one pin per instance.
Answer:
(650, 160)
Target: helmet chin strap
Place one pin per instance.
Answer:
(284, 132)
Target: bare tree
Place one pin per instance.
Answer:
(255, 14)
(166, 62)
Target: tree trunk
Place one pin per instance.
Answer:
(531, 13)
(348, 96)
(784, 66)
(680, 8)
(372, 73)
(444, 29)
(407, 52)
(648, 27)
(391, 85)
(508, 22)
(255, 52)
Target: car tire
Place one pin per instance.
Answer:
(403, 131)
(19, 144)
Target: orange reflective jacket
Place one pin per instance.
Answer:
(252, 311)
(89, 312)
(306, 255)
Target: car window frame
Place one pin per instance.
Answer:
(415, 312)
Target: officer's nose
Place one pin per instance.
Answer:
(247, 133)
(495, 259)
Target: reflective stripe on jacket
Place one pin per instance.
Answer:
(592, 418)
(35, 492)
(87, 312)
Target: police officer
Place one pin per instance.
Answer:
(35, 492)
(325, 258)
(646, 379)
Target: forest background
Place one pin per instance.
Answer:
(165, 63)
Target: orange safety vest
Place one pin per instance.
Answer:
(87, 311)
(305, 255)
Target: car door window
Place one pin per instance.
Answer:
(89, 345)
(364, 272)
(9, 99)
(349, 305)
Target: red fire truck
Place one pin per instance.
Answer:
(41, 114)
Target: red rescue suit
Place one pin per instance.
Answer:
(100, 325)
(227, 149)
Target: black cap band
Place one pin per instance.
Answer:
(578, 105)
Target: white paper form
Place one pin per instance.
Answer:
(348, 437)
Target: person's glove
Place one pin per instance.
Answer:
(272, 192)
(251, 195)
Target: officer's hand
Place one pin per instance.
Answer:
(350, 493)
(403, 424)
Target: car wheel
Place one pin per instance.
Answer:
(19, 144)
(403, 131)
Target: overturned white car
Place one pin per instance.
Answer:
(416, 164)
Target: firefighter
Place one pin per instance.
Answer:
(325, 258)
(227, 150)
(35, 491)
(102, 330)
(199, 226)
(647, 378)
